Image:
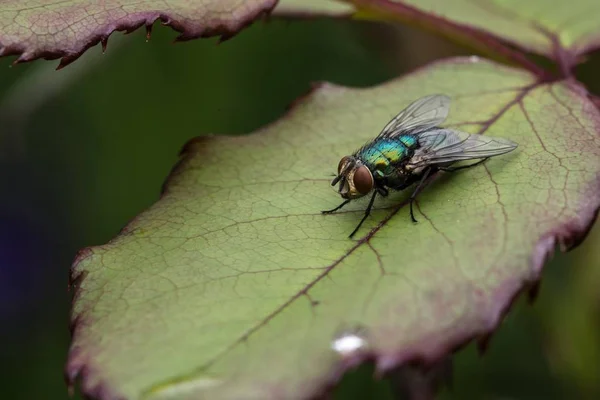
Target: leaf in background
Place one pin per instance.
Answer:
(234, 285)
(561, 30)
(65, 29)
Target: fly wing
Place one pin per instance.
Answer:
(443, 146)
(425, 113)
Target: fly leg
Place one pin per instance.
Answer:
(367, 212)
(463, 166)
(414, 193)
(337, 208)
(382, 191)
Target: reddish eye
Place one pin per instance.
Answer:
(363, 180)
(343, 162)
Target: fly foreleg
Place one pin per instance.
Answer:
(367, 213)
(448, 169)
(337, 208)
(416, 191)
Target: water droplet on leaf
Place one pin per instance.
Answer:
(351, 341)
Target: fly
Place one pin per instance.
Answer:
(410, 148)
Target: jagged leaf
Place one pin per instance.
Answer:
(233, 285)
(65, 29)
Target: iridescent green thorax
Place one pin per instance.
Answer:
(384, 154)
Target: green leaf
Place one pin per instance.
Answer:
(234, 285)
(563, 30)
(65, 29)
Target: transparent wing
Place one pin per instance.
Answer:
(441, 146)
(425, 113)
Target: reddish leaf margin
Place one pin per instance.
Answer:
(224, 29)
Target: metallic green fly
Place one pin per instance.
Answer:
(409, 149)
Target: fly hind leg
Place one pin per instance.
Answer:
(413, 196)
(426, 174)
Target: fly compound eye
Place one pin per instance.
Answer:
(343, 163)
(363, 180)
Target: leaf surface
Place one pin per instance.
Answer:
(65, 29)
(234, 285)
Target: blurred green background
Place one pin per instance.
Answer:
(85, 149)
